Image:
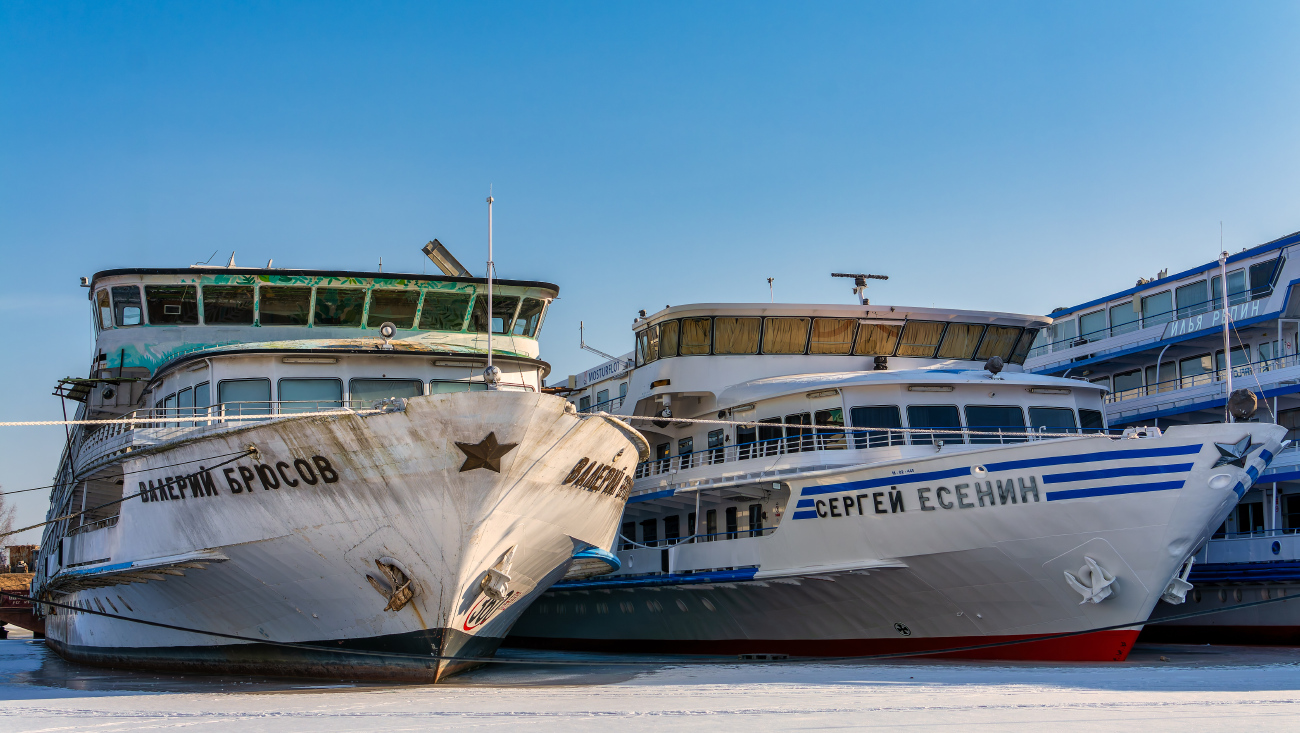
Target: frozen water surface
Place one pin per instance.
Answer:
(1202, 687)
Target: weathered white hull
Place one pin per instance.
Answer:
(287, 560)
(931, 552)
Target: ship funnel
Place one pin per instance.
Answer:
(441, 257)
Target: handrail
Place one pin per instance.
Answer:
(624, 543)
(611, 404)
(1211, 377)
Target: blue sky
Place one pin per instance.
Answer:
(1004, 156)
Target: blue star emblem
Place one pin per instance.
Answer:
(1234, 454)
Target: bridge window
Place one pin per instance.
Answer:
(444, 311)
(503, 313)
(1053, 419)
(366, 391)
(697, 336)
(878, 339)
(245, 396)
(105, 310)
(785, 335)
(934, 417)
(310, 395)
(880, 416)
(339, 306)
(529, 318)
(833, 336)
(227, 304)
(998, 341)
(126, 305)
(398, 307)
(960, 340)
(1023, 346)
(1091, 421)
(279, 306)
(996, 419)
(1262, 277)
(1123, 319)
(647, 345)
(172, 304)
(1192, 299)
(736, 335)
(920, 338)
(668, 331)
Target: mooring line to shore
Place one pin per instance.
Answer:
(619, 663)
(170, 465)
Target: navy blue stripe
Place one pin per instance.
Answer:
(1061, 478)
(1115, 455)
(803, 503)
(1113, 490)
(804, 515)
(652, 495)
(1268, 457)
(1253, 473)
(906, 478)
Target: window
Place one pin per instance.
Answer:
(920, 338)
(832, 335)
(105, 310)
(685, 446)
(172, 304)
(1240, 357)
(1092, 421)
(830, 429)
(529, 318)
(711, 524)
(1157, 309)
(398, 307)
(628, 536)
(1236, 289)
(1291, 511)
(1165, 381)
(755, 520)
(796, 438)
(367, 391)
(437, 386)
(732, 523)
(960, 340)
(746, 436)
(1023, 345)
(736, 335)
(663, 451)
(444, 311)
(283, 306)
(602, 397)
(1104, 381)
(228, 304)
(245, 396)
(650, 532)
(126, 306)
(647, 345)
(584, 403)
(882, 416)
(784, 335)
(1195, 370)
(934, 417)
(310, 395)
(691, 526)
(667, 342)
(995, 419)
(1064, 333)
(503, 313)
(339, 306)
(769, 436)
(1092, 326)
(1125, 381)
(1192, 299)
(672, 528)
(622, 389)
(697, 336)
(717, 439)
(1050, 419)
(185, 403)
(998, 341)
(1123, 319)
(877, 339)
(202, 398)
(1250, 516)
(1262, 276)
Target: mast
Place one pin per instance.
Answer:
(491, 375)
(1227, 344)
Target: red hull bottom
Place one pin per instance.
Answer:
(1099, 646)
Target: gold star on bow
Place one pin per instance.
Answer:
(486, 454)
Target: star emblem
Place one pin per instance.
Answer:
(1234, 454)
(486, 454)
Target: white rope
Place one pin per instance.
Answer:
(832, 429)
(182, 418)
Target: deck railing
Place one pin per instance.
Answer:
(1239, 371)
(606, 406)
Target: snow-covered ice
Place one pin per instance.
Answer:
(1205, 687)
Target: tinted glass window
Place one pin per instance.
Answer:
(395, 306)
(1123, 319)
(998, 341)
(227, 304)
(172, 304)
(530, 315)
(1262, 275)
(832, 335)
(444, 311)
(1128, 380)
(283, 306)
(1091, 421)
(829, 434)
(309, 395)
(1053, 419)
(883, 416)
(736, 335)
(696, 337)
(245, 396)
(995, 419)
(877, 339)
(960, 340)
(668, 331)
(796, 438)
(1022, 346)
(1192, 299)
(1158, 308)
(126, 305)
(920, 338)
(339, 306)
(934, 417)
(366, 391)
(785, 335)
(202, 395)
(1193, 370)
(1092, 326)
(105, 309)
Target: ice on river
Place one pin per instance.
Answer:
(1198, 687)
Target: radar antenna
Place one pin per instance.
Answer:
(860, 283)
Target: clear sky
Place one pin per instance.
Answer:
(1005, 156)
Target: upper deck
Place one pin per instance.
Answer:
(148, 317)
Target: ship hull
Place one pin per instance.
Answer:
(258, 549)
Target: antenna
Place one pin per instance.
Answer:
(860, 283)
(1227, 344)
(771, 293)
(492, 374)
(231, 263)
(582, 344)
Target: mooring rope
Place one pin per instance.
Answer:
(172, 465)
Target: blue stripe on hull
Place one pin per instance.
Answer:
(1114, 490)
(1062, 478)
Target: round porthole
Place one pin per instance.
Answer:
(1277, 547)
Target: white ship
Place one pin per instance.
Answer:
(983, 506)
(398, 538)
